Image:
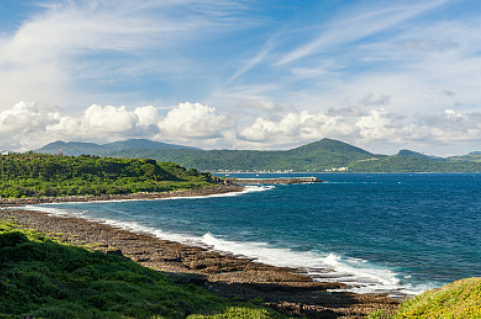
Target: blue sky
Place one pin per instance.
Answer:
(242, 74)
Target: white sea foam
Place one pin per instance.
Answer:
(246, 190)
(360, 275)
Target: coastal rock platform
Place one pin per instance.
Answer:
(284, 289)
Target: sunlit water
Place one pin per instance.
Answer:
(375, 232)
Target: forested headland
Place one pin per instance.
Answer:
(44, 175)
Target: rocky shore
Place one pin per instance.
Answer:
(221, 189)
(284, 289)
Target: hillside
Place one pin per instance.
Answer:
(79, 148)
(317, 156)
(39, 175)
(42, 277)
(320, 156)
(461, 299)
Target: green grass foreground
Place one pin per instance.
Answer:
(459, 300)
(41, 278)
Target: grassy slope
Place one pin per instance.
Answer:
(461, 299)
(44, 279)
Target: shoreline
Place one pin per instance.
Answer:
(288, 290)
(214, 190)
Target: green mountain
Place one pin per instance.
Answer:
(79, 148)
(320, 156)
(411, 153)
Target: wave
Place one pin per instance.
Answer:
(246, 190)
(359, 275)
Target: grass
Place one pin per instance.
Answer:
(42, 278)
(458, 300)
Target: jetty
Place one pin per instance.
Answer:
(277, 180)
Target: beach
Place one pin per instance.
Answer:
(285, 289)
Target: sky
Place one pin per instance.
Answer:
(242, 74)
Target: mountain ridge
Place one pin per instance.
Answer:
(75, 148)
(325, 155)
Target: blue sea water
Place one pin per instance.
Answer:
(375, 232)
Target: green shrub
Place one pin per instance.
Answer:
(461, 299)
(40, 278)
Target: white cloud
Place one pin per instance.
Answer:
(376, 126)
(193, 120)
(52, 53)
(28, 125)
(292, 127)
(108, 123)
(25, 117)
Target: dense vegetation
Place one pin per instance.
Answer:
(39, 175)
(318, 156)
(324, 155)
(40, 278)
(461, 299)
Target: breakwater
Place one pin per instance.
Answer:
(279, 180)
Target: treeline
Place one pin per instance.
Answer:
(316, 157)
(40, 175)
(396, 164)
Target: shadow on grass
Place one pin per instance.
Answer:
(40, 278)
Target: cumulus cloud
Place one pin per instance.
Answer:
(296, 126)
(106, 123)
(29, 125)
(193, 120)
(376, 126)
(26, 117)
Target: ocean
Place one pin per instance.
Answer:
(396, 233)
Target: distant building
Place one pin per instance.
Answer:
(337, 169)
(6, 152)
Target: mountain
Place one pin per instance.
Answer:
(475, 153)
(143, 144)
(71, 148)
(326, 155)
(79, 148)
(331, 146)
(410, 153)
(323, 155)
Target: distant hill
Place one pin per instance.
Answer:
(317, 156)
(331, 146)
(326, 155)
(410, 153)
(79, 148)
(475, 153)
(143, 144)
